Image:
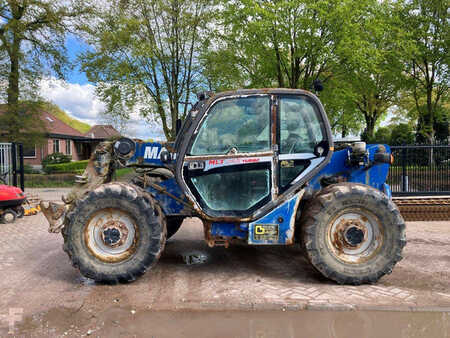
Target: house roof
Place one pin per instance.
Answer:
(53, 125)
(103, 131)
(56, 126)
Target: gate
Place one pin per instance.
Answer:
(420, 170)
(6, 162)
(11, 164)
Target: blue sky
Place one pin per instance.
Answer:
(74, 47)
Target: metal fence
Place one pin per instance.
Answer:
(6, 161)
(420, 170)
(11, 164)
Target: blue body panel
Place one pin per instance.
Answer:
(375, 176)
(230, 230)
(147, 154)
(170, 206)
(281, 218)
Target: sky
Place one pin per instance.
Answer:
(76, 96)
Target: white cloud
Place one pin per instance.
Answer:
(80, 102)
(77, 100)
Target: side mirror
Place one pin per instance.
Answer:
(318, 85)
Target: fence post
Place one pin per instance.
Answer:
(404, 176)
(14, 163)
(22, 169)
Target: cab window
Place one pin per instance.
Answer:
(300, 126)
(241, 123)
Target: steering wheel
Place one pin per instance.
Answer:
(301, 149)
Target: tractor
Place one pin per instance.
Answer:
(256, 166)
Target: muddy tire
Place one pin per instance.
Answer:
(115, 233)
(8, 216)
(173, 223)
(352, 233)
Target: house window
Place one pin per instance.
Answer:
(68, 147)
(55, 146)
(29, 152)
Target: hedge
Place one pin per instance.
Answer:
(70, 167)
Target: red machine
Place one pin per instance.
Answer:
(11, 200)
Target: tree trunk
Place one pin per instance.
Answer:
(369, 132)
(13, 80)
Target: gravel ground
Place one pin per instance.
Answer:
(37, 277)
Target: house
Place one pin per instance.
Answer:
(62, 138)
(102, 131)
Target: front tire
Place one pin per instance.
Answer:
(8, 216)
(115, 233)
(352, 233)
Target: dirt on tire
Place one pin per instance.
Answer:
(149, 244)
(316, 223)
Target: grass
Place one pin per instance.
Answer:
(62, 115)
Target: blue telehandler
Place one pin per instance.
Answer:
(255, 166)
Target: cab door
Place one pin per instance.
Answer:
(228, 164)
(304, 141)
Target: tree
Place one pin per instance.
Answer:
(344, 116)
(383, 135)
(32, 35)
(369, 60)
(402, 134)
(283, 43)
(427, 61)
(146, 57)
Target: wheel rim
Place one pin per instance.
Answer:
(8, 217)
(111, 235)
(355, 236)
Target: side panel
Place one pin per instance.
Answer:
(277, 227)
(374, 176)
(148, 154)
(170, 206)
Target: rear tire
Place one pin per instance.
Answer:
(352, 233)
(115, 234)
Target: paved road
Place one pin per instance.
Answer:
(37, 277)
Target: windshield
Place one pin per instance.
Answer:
(241, 123)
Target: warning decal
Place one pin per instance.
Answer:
(265, 232)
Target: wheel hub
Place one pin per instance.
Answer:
(114, 233)
(9, 217)
(111, 235)
(355, 235)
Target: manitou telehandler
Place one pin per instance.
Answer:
(255, 166)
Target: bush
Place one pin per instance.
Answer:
(382, 136)
(402, 134)
(71, 167)
(56, 158)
